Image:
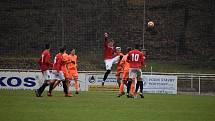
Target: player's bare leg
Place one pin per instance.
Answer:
(76, 85)
(51, 87)
(65, 88)
(121, 88)
(39, 91)
(119, 79)
(56, 83)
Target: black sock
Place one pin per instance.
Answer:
(65, 89)
(119, 82)
(137, 86)
(141, 87)
(42, 88)
(129, 86)
(51, 87)
(106, 75)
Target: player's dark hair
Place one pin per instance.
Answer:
(120, 57)
(47, 46)
(128, 49)
(62, 50)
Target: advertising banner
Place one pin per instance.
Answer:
(32, 80)
(87, 82)
(160, 84)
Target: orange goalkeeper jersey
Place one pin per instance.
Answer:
(72, 59)
(65, 61)
(125, 64)
(119, 64)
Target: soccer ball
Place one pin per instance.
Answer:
(151, 24)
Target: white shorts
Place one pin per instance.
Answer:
(134, 72)
(110, 62)
(47, 75)
(58, 75)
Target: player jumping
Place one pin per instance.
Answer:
(108, 56)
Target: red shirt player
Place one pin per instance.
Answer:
(58, 62)
(108, 48)
(108, 56)
(58, 74)
(136, 60)
(44, 61)
(45, 64)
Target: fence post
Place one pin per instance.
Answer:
(191, 81)
(199, 85)
(151, 70)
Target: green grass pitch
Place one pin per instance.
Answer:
(22, 105)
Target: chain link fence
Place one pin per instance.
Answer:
(184, 30)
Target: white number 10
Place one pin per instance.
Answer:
(135, 57)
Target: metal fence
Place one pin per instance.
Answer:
(192, 83)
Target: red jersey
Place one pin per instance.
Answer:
(135, 59)
(44, 61)
(58, 63)
(108, 51)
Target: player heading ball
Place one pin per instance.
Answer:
(109, 58)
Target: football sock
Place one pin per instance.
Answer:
(119, 82)
(42, 88)
(106, 75)
(51, 87)
(141, 87)
(128, 86)
(137, 86)
(65, 89)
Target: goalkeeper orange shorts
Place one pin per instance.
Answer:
(73, 74)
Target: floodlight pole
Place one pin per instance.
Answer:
(144, 17)
(62, 5)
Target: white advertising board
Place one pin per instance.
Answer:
(31, 80)
(160, 84)
(87, 82)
